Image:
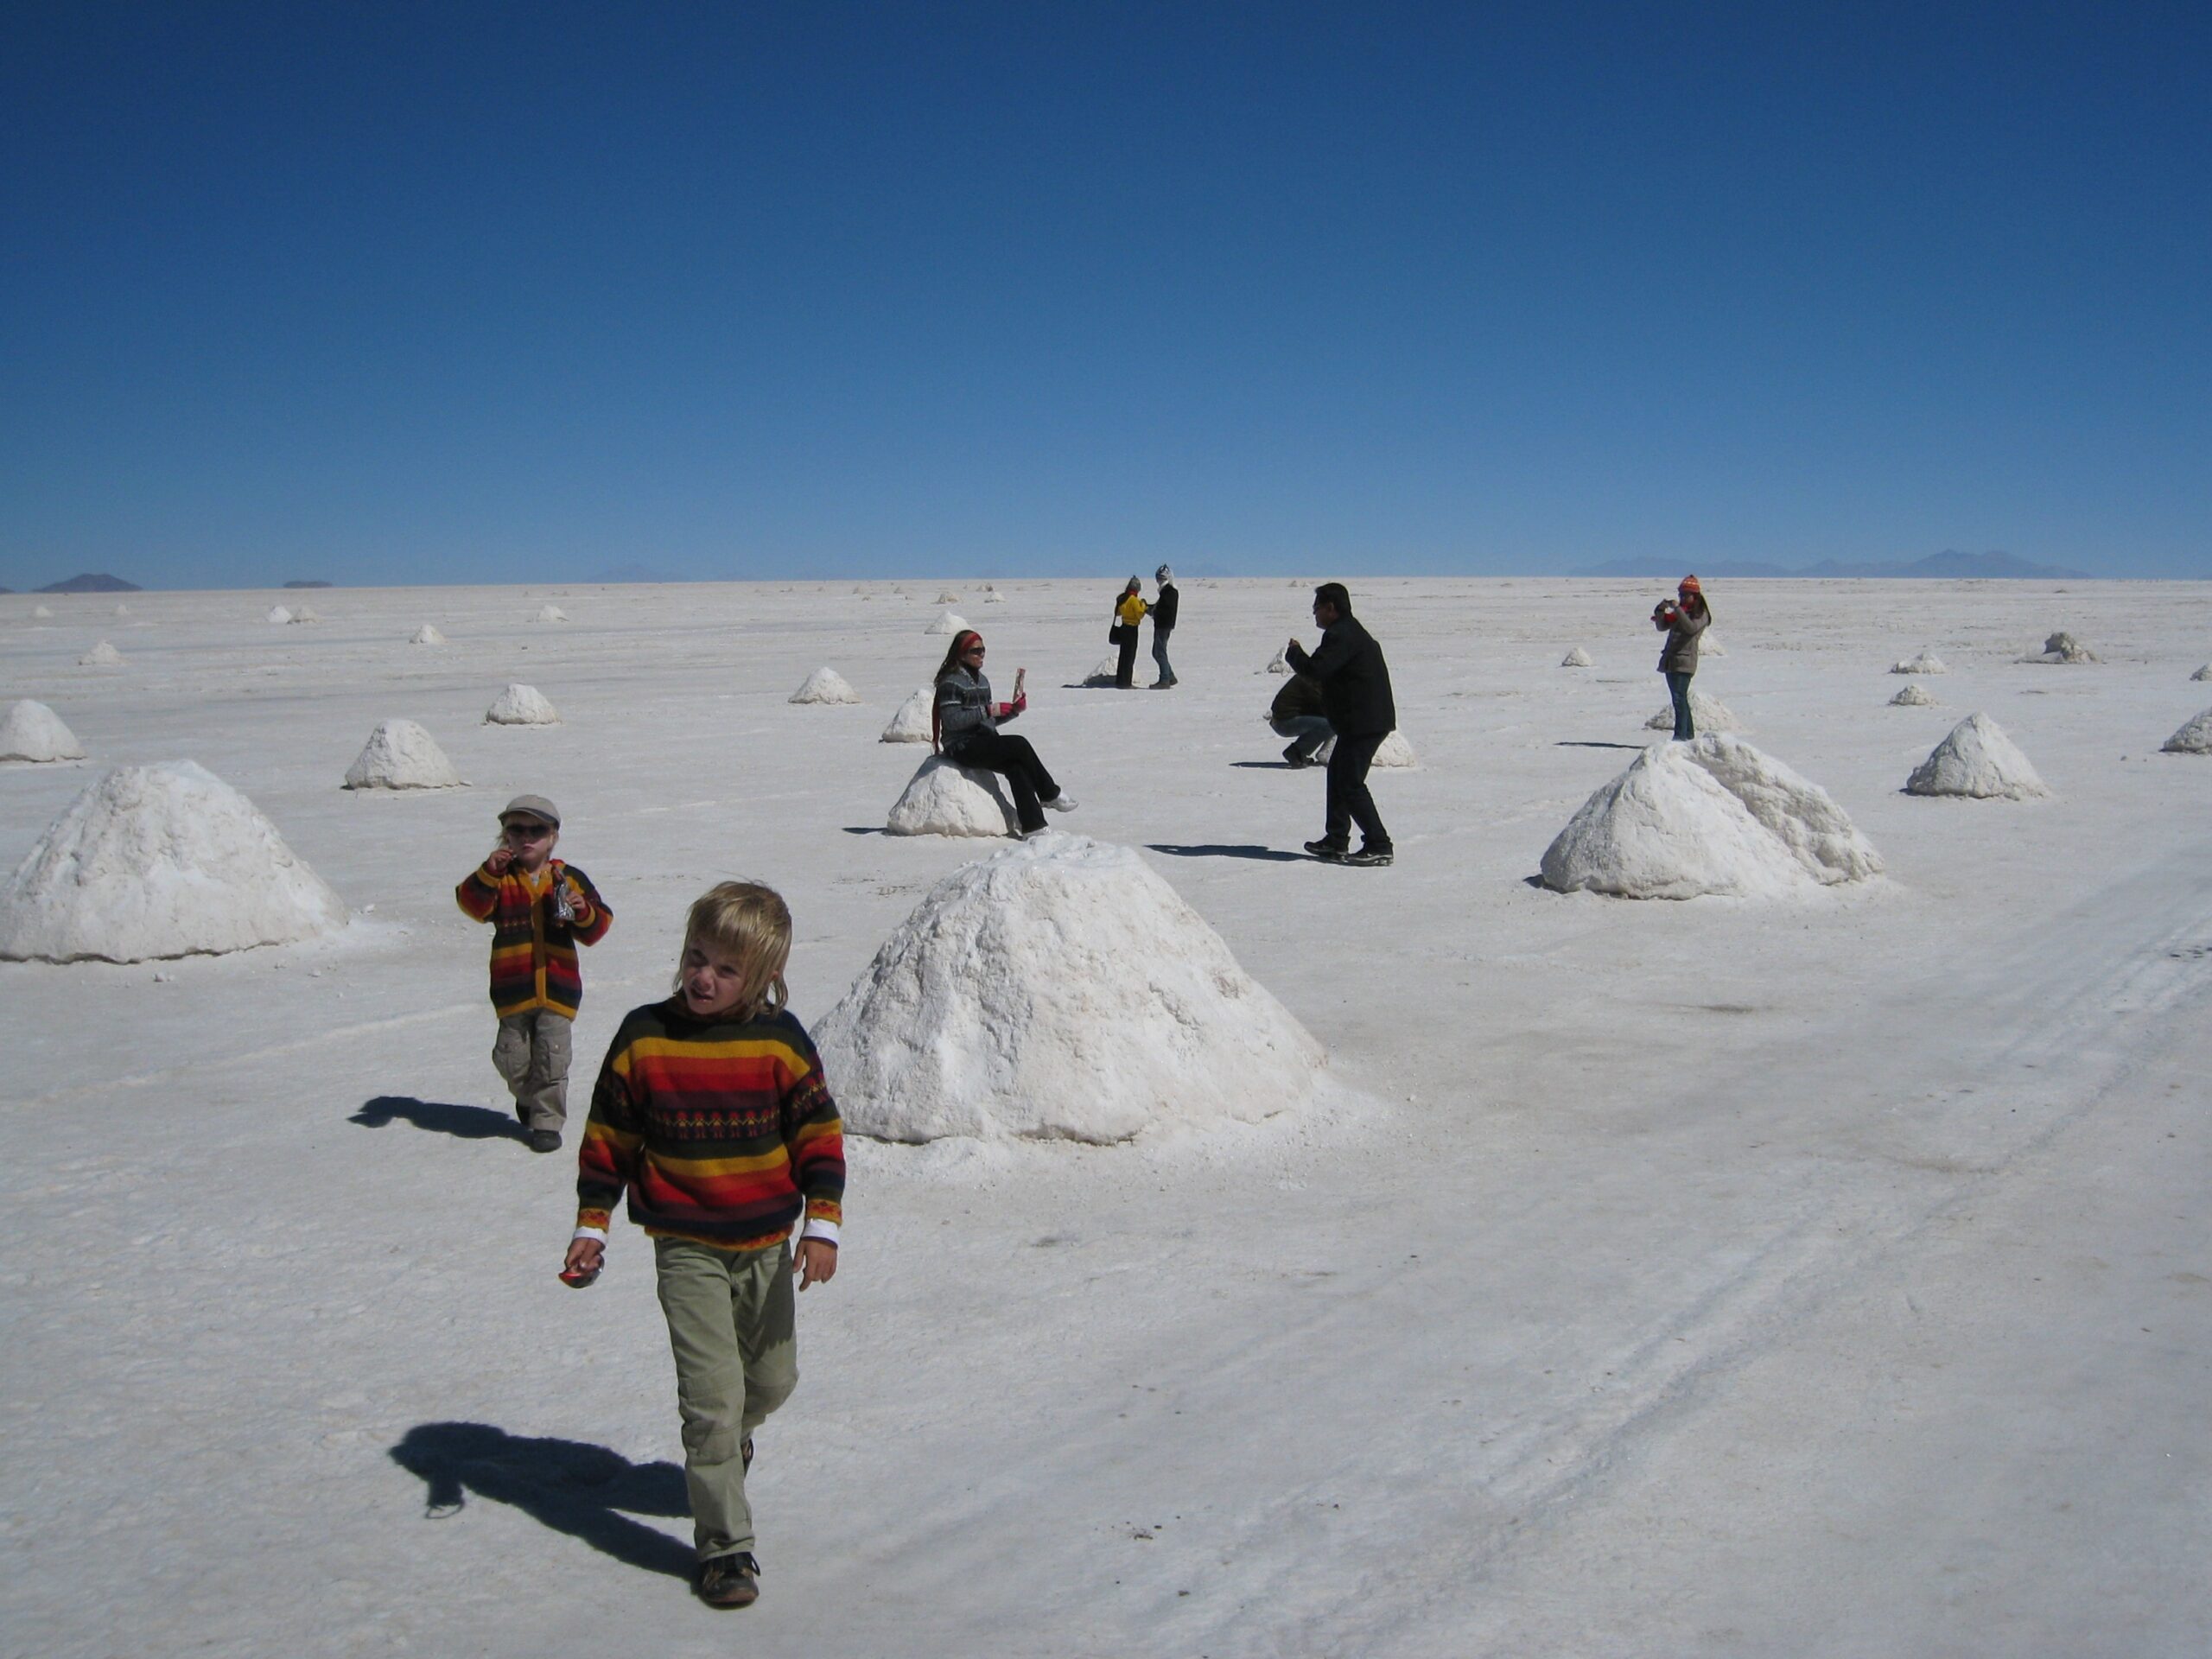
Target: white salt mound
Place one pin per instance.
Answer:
(1711, 816)
(995, 597)
(2194, 738)
(101, 656)
(1279, 663)
(122, 610)
(948, 599)
(947, 624)
(911, 723)
(1707, 714)
(41, 612)
(1576, 659)
(1926, 661)
(551, 613)
(164, 861)
(1709, 645)
(1108, 671)
(426, 635)
(825, 685)
(31, 731)
(1977, 760)
(2062, 647)
(400, 754)
(2203, 673)
(304, 614)
(1913, 696)
(1393, 751)
(1060, 990)
(521, 705)
(946, 798)
(278, 615)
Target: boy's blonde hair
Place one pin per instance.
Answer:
(752, 924)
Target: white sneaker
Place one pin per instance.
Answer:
(1062, 802)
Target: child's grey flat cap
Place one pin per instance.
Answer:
(531, 806)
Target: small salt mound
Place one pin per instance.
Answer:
(1977, 760)
(31, 731)
(1279, 662)
(946, 798)
(1393, 751)
(995, 597)
(1926, 663)
(164, 861)
(400, 754)
(1709, 645)
(1707, 714)
(825, 685)
(43, 612)
(2062, 647)
(1576, 659)
(123, 610)
(946, 623)
(911, 723)
(1712, 816)
(2195, 738)
(1913, 696)
(426, 635)
(947, 599)
(304, 614)
(2203, 673)
(101, 656)
(1108, 671)
(551, 613)
(278, 615)
(1060, 990)
(521, 705)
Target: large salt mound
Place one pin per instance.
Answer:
(1913, 696)
(1926, 661)
(101, 656)
(32, 731)
(400, 754)
(946, 798)
(911, 723)
(551, 613)
(426, 635)
(2062, 647)
(1711, 816)
(1060, 990)
(825, 685)
(1576, 659)
(521, 705)
(1977, 760)
(278, 615)
(165, 860)
(1707, 714)
(1393, 751)
(2194, 738)
(946, 623)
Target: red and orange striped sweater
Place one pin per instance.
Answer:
(534, 952)
(721, 1128)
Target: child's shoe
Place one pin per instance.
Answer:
(730, 1580)
(544, 1140)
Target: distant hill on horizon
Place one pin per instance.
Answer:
(1947, 566)
(307, 584)
(93, 582)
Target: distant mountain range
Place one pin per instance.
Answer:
(90, 583)
(1947, 566)
(307, 584)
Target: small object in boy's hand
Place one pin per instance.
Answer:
(562, 910)
(577, 1278)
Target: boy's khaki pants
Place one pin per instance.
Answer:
(532, 1051)
(730, 1326)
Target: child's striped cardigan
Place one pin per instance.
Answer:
(721, 1128)
(534, 952)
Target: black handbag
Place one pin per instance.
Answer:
(1118, 633)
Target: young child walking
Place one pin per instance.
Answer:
(712, 1111)
(540, 910)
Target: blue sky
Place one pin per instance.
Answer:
(391, 294)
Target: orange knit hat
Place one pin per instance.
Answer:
(1688, 585)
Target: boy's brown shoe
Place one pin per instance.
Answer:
(730, 1580)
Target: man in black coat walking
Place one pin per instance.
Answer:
(1355, 697)
(1163, 623)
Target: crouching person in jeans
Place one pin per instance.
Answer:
(712, 1112)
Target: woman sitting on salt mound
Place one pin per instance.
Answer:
(964, 730)
(1710, 815)
(1060, 990)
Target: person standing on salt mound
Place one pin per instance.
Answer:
(964, 729)
(1682, 618)
(540, 910)
(1355, 697)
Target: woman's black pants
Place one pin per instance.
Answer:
(1012, 759)
(1125, 675)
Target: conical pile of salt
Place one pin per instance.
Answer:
(911, 723)
(1913, 696)
(31, 731)
(945, 798)
(825, 685)
(1576, 659)
(521, 705)
(947, 599)
(1108, 672)
(279, 615)
(2194, 738)
(426, 635)
(551, 613)
(1926, 661)
(1393, 751)
(43, 612)
(1979, 761)
(101, 656)
(947, 624)
(2203, 673)
(400, 754)
(2062, 647)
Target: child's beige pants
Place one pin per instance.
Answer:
(730, 1326)
(532, 1051)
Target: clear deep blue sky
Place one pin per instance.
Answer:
(388, 294)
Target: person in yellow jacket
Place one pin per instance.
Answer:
(1128, 610)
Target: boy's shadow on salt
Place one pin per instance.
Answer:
(567, 1485)
(440, 1117)
(1225, 850)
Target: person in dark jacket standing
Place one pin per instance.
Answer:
(1355, 697)
(1163, 623)
(1684, 618)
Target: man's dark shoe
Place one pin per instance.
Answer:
(1295, 759)
(1330, 852)
(1370, 858)
(544, 1140)
(730, 1580)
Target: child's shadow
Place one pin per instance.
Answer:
(463, 1122)
(564, 1484)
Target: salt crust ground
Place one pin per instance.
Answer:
(31, 731)
(1978, 760)
(162, 860)
(825, 685)
(401, 754)
(1700, 1244)
(1060, 990)
(946, 798)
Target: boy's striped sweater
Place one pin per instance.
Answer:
(533, 951)
(721, 1128)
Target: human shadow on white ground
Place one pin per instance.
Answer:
(588, 1492)
(440, 1117)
